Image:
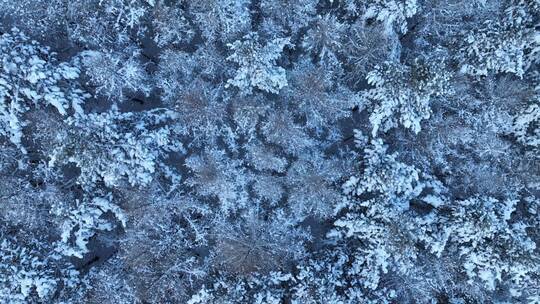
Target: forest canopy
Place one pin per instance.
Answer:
(269, 151)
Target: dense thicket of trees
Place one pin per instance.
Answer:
(269, 151)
